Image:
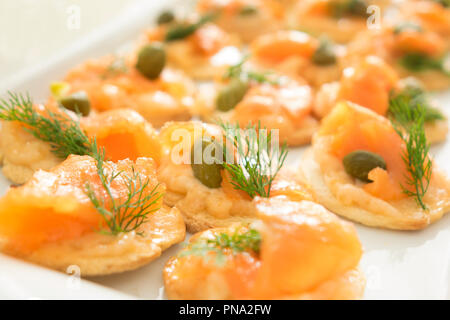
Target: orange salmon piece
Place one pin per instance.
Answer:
(383, 185)
(124, 134)
(233, 7)
(305, 251)
(419, 42)
(228, 7)
(433, 14)
(241, 274)
(53, 206)
(354, 128)
(230, 190)
(278, 46)
(318, 8)
(369, 84)
(275, 7)
(270, 103)
(303, 245)
(293, 190)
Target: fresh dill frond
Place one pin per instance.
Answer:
(257, 161)
(238, 242)
(433, 114)
(237, 71)
(62, 132)
(414, 97)
(181, 31)
(409, 123)
(261, 77)
(129, 214)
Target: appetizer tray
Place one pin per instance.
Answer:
(397, 265)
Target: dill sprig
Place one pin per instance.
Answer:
(62, 132)
(237, 72)
(257, 161)
(129, 214)
(238, 242)
(414, 97)
(181, 31)
(409, 123)
(65, 138)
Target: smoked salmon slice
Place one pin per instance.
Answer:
(53, 206)
(415, 41)
(285, 107)
(432, 14)
(368, 84)
(292, 101)
(246, 18)
(305, 252)
(318, 245)
(278, 46)
(124, 134)
(352, 129)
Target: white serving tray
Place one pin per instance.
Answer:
(398, 265)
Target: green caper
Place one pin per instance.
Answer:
(151, 60)
(324, 54)
(359, 163)
(358, 8)
(183, 30)
(208, 172)
(165, 17)
(231, 95)
(77, 102)
(248, 10)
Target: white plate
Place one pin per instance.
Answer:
(398, 265)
